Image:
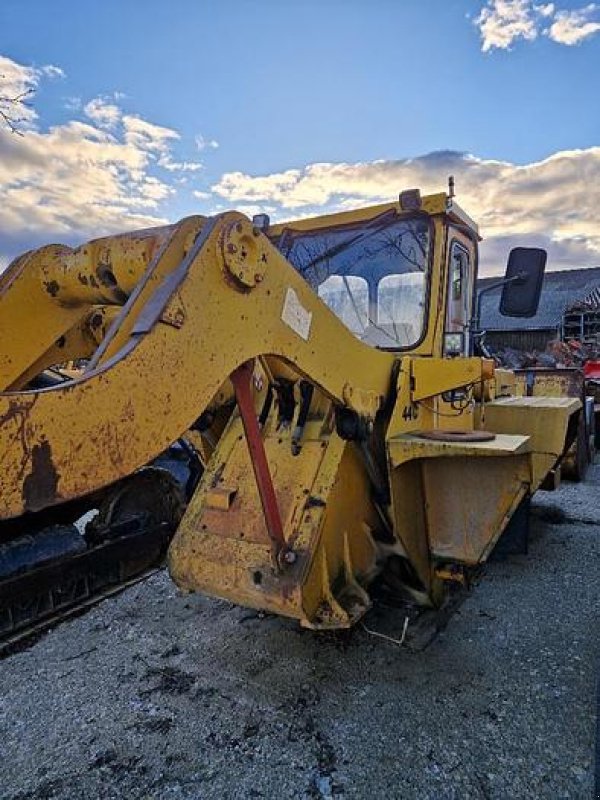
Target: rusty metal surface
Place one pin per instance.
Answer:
(469, 503)
(190, 310)
(163, 263)
(457, 436)
(112, 420)
(225, 550)
(542, 382)
(47, 291)
(241, 378)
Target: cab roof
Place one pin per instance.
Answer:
(431, 204)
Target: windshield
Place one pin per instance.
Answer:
(374, 275)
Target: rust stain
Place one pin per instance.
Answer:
(15, 410)
(128, 412)
(40, 486)
(19, 413)
(96, 321)
(106, 276)
(217, 476)
(52, 288)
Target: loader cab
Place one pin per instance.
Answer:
(374, 274)
(400, 276)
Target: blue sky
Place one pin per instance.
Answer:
(297, 107)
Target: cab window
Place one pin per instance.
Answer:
(458, 303)
(348, 297)
(374, 276)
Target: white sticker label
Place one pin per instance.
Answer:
(295, 315)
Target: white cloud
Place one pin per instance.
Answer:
(283, 187)
(102, 112)
(204, 144)
(75, 180)
(17, 83)
(572, 27)
(83, 178)
(546, 10)
(72, 103)
(106, 171)
(503, 22)
(115, 170)
(52, 71)
(146, 135)
(553, 203)
(166, 162)
(139, 132)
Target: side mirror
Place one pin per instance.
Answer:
(524, 277)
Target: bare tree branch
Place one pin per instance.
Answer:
(10, 107)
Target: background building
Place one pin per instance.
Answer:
(569, 306)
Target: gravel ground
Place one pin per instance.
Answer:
(157, 695)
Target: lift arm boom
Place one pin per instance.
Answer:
(202, 322)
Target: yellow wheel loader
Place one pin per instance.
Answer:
(317, 384)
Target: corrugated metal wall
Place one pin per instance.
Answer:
(535, 339)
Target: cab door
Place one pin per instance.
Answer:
(459, 299)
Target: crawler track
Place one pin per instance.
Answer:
(49, 573)
(35, 600)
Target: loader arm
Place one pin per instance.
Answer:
(67, 441)
(53, 289)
